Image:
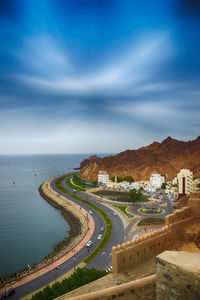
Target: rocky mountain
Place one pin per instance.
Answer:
(165, 158)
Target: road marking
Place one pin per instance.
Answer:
(109, 254)
(102, 253)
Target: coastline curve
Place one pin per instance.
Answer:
(64, 250)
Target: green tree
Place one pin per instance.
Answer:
(163, 186)
(175, 185)
(118, 179)
(198, 185)
(135, 196)
(79, 278)
(128, 178)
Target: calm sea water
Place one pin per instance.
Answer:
(29, 226)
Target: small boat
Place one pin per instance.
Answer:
(13, 182)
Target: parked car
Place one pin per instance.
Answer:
(136, 236)
(99, 237)
(9, 292)
(114, 214)
(89, 243)
(90, 212)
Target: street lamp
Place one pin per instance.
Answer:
(56, 268)
(74, 261)
(29, 267)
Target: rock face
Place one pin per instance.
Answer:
(165, 158)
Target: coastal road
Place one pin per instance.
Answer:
(101, 261)
(105, 256)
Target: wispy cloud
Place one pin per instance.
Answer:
(125, 71)
(44, 56)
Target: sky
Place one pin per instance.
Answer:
(97, 76)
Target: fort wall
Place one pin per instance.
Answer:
(128, 254)
(141, 289)
(194, 203)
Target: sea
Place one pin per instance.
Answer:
(29, 225)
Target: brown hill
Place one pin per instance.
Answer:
(165, 158)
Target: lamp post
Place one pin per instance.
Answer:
(74, 261)
(56, 268)
(74, 258)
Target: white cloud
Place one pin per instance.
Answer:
(44, 56)
(128, 69)
(29, 133)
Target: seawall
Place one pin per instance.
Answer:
(79, 223)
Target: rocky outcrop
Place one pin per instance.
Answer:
(165, 158)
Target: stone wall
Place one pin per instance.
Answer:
(141, 289)
(194, 203)
(177, 275)
(128, 254)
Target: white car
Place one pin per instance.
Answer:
(136, 236)
(90, 212)
(99, 237)
(89, 243)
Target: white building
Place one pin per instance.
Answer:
(157, 180)
(125, 184)
(103, 177)
(175, 180)
(185, 181)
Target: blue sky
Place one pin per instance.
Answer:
(93, 76)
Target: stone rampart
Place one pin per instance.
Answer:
(141, 289)
(128, 254)
(194, 203)
(177, 275)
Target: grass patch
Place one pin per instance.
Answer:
(108, 223)
(73, 186)
(119, 196)
(123, 209)
(150, 211)
(151, 221)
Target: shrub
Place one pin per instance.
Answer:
(79, 278)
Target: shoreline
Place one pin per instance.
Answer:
(78, 230)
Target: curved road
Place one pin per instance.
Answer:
(101, 261)
(166, 210)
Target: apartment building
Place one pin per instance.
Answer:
(156, 180)
(185, 182)
(103, 177)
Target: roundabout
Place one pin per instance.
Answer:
(151, 210)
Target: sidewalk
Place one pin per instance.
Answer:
(91, 225)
